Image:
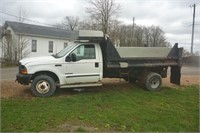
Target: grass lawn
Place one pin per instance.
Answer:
(113, 109)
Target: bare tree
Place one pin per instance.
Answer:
(60, 26)
(157, 37)
(143, 36)
(88, 24)
(23, 41)
(14, 46)
(7, 47)
(139, 36)
(71, 22)
(125, 35)
(115, 31)
(102, 11)
(68, 23)
(147, 36)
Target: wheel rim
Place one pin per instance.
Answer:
(43, 86)
(155, 83)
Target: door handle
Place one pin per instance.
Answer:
(96, 64)
(58, 65)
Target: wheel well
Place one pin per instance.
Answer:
(51, 74)
(139, 72)
(160, 70)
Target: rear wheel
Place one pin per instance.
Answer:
(153, 82)
(43, 86)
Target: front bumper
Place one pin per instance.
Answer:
(23, 79)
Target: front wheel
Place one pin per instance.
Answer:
(153, 82)
(43, 86)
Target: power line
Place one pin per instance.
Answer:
(189, 25)
(62, 29)
(26, 19)
(182, 1)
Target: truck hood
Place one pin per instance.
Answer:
(37, 60)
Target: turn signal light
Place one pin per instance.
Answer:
(24, 71)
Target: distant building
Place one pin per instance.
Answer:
(20, 40)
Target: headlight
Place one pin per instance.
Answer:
(22, 69)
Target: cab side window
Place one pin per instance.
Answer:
(86, 51)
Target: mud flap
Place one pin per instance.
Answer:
(175, 75)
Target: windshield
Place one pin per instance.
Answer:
(65, 50)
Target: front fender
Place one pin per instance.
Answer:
(58, 71)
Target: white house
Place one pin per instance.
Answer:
(27, 40)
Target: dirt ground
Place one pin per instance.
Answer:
(11, 89)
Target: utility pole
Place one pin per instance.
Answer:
(133, 22)
(133, 30)
(192, 39)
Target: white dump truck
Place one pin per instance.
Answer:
(92, 57)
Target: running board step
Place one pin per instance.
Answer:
(80, 85)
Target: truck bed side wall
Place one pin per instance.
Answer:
(138, 66)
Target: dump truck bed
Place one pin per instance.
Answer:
(131, 57)
(143, 57)
(137, 60)
(143, 52)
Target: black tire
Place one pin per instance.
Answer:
(153, 82)
(43, 86)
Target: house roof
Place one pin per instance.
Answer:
(42, 31)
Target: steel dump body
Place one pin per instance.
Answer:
(143, 56)
(143, 52)
(135, 62)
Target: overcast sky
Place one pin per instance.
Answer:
(173, 16)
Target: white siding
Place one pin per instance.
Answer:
(43, 46)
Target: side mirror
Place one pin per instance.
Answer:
(68, 58)
(73, 57)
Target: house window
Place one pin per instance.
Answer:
(65, 44)
(50, 46)
(34, 45)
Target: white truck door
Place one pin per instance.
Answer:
(86, 68)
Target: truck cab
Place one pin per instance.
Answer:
(78, 65)
(82, 64)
